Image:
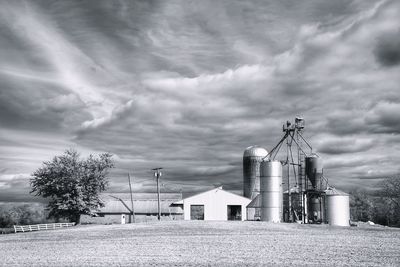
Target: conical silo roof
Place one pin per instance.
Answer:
(333, 191)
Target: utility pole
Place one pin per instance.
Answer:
(130, 190)
(157, 174)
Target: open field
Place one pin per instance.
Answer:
(196, 243)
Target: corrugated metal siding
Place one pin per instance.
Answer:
(140, 206)
(116, 218)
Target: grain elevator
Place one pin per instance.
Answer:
(308, 198)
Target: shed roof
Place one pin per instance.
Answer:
(255, 203)
(139, 196)
(145, 203)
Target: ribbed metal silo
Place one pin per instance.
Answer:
(337, 207)
(271, 191)
(252, 158)
(314, 170)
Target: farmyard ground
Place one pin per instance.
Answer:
(198, 243)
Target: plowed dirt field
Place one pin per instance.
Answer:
(199, 243)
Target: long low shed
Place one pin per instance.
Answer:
(117, 208)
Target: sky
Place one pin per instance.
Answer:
(188, 85)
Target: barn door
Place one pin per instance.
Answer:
(197, 212)
(234, 213)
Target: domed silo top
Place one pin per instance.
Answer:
(252, 158)
(255, 151)
(331, 191)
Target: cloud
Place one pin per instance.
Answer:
(64, 103)
(117, 113)
(188, 87)
(341, 145)
(15, 187)
(387, 50)
(384, 116)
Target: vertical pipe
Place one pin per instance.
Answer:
(158, 195)
(301, 159)
(288, 182)
(305, 201)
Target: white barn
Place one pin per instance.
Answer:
(215, 204)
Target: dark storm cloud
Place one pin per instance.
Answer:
(387, 50)
(384, 117)
(188, 85)
(46, 107)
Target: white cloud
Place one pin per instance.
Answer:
(117, 112)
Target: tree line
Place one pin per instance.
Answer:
(22, 214)
(381, 206)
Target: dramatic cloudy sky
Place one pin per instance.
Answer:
(188, 85)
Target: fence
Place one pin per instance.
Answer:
(38, 227)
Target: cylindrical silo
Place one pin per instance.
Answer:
(315, 209)
(314, 169)
(252, 158)
(271, 191)
(337, 207)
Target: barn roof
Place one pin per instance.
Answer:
(145, 203)
(216, 189)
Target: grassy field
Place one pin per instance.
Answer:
(190, 243)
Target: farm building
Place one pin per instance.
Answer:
(253, 209)
(215, 204)
(117, 207)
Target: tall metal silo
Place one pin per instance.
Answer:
(271, 191)
(252, 158)
(314, 170)
(337, 207)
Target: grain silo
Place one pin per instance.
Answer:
(314, 170)
(252, 158)
(271, 191)
(337, 207)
